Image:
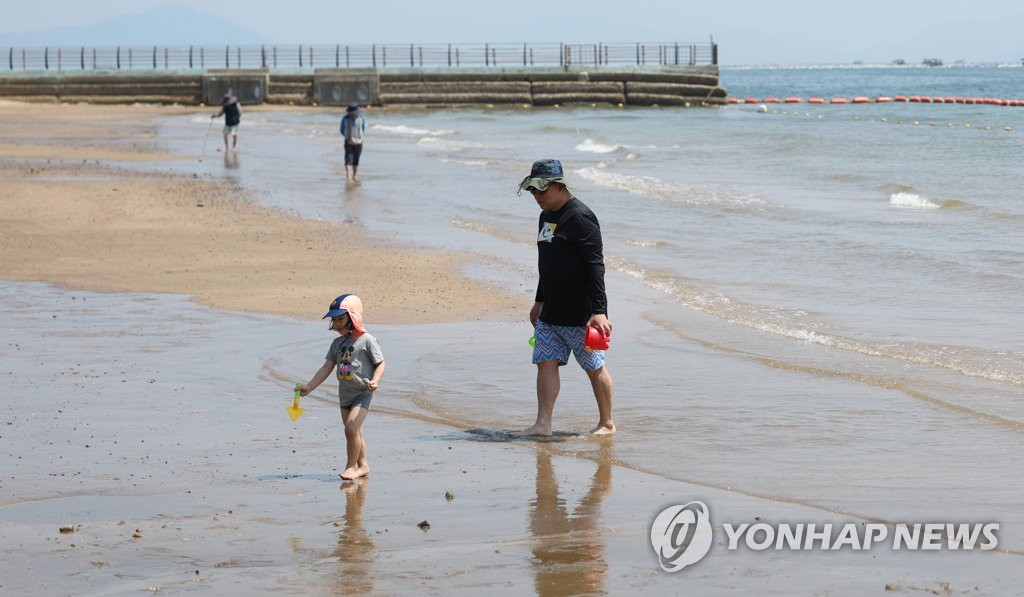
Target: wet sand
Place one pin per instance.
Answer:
(153, 328)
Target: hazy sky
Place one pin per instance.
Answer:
(766, 31)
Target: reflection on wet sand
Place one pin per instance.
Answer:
(230, 160)
(568, 547)
(355, 552)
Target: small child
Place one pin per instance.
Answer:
(360, 365)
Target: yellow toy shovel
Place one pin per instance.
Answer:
(294, 411)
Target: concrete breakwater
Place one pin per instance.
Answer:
(640, 86)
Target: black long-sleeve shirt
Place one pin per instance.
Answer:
(232, 114)
(570, 258)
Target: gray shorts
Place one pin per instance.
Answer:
(231, 129)
(362, 399)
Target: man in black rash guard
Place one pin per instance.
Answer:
(570, 295)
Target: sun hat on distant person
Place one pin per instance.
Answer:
(542, 174)
(352, 107)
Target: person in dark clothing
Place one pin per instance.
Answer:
(570, 295)
(352, 127)
(232, 112)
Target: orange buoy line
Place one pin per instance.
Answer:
(883, 99)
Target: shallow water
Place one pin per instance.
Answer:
(817, 304)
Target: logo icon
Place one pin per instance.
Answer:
(681, 535)
(547, 233)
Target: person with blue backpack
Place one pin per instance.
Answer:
(353, 125)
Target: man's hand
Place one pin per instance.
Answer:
(600, 321)
(535, 313)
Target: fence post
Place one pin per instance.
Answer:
(337, 55)
(238, 52)
(524, 54)
(94, 59)
(58, 60)
(346, 57)
(412, 57)
(310, 56)
(561, 55)
(118, 60)
(487, 55)
(10, 57)
(373, 56)
(263, 56)
(82, 58)
(227, 56)
(421, 56)
(165, 58)
(449, 54)
(300, 56)
(46, 58)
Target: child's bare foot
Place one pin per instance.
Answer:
(534, 430)
(603, 429)
(354, 472)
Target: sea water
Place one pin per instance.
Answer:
(812, 303)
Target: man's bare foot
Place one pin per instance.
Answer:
(603, 429)
(354, 472)
(533, 430)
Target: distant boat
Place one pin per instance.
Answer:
(899, 62)
(932, 62)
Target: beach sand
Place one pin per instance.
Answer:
(153, 328)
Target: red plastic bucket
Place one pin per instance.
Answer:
(596, 340)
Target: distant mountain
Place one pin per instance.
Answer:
(161, 26)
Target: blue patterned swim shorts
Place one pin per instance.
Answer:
(555, 342)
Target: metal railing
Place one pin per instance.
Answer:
(308, 57)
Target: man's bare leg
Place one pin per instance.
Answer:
(604, 391)
(548, 385)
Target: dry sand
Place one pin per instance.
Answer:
(69, 219)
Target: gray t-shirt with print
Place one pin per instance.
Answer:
(355, 361)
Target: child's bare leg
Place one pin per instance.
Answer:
(357, 464)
